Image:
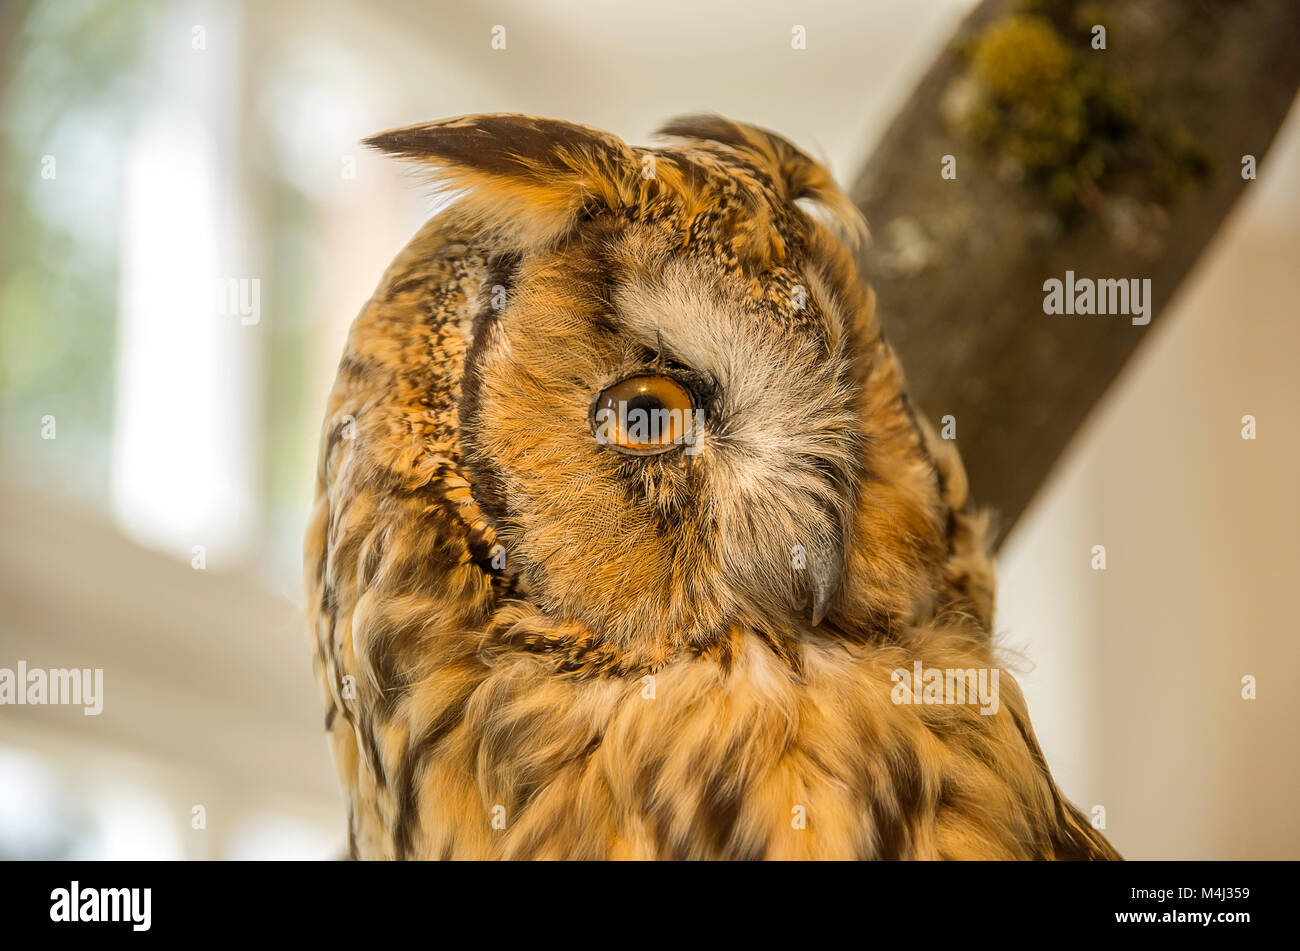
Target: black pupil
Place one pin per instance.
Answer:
(645, 402)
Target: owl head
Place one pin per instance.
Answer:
(676, 409)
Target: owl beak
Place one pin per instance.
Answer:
(816, 585)
(825, 569)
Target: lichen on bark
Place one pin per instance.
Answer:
(1038, 95)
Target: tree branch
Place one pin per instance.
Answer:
(1181, 93)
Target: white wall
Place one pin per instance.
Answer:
(1137, 692)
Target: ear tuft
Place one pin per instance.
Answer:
(522, 177)
(801, 179)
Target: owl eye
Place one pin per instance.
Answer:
(644, 415)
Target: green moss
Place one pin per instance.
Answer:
(1020, 57)
(1034, 110)
(1054, 107)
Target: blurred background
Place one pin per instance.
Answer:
(187, 227)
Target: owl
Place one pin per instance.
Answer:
(627, 541)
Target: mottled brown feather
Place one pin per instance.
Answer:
(639, 678)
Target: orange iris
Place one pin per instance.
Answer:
(643, 414)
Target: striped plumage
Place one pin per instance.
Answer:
(645, 676)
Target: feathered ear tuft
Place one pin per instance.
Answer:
(802, 179)
(522, 178)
